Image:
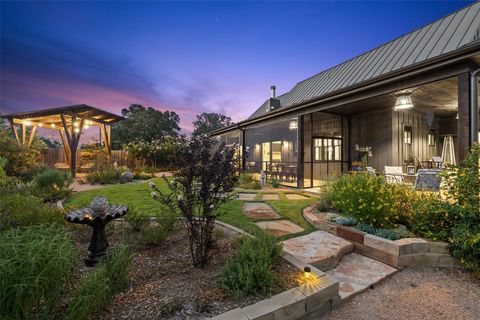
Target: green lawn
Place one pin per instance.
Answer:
(137, 195)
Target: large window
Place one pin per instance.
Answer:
(327, 149)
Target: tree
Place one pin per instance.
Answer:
(204, 180)
(208, 122)
(144, 124)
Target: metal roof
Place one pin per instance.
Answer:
(443, 36)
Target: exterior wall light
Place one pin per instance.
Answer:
(404, 101)
(293, 124)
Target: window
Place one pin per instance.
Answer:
(407, 135)
(407, 144)
(327, 149)
(432, 138)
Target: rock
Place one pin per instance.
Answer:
(126, 177)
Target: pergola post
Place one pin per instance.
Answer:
(73, 138)
(14, 129)
(106, 130)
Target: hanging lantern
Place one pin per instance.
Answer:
(404, 101)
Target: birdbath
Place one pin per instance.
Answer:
(96, 216)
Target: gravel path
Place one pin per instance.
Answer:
(416, 293)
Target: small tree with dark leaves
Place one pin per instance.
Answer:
(204, 180)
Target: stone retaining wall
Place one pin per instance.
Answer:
(398, 253)
(307, 301)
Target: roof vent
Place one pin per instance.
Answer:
(272, 91)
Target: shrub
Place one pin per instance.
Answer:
(345, 221)
(204, 180)
(390, 234)
(105, 174)
(275, 183)
(35, 264)
(17, 210)
(256, 185)
(148, 231)
(405, 198)
(250, 270)
(368, 199)
(21, 161)
(109, 277)
(434, 218)
(463, 188)
(53, 185)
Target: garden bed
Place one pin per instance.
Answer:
(398, 253)
(164, 284)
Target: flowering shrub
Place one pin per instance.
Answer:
(204, 180)
(368, 199)
(154, 152)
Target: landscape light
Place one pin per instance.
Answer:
(307, 271)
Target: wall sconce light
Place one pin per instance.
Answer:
(404, 101)
(293, 124)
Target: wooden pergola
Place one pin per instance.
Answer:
(69, 121)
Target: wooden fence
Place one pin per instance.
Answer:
(50, 157)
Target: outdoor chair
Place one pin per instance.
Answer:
(437, 162)
(393, 174)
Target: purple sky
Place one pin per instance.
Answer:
(189, 57)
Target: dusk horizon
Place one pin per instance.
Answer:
(186, 57)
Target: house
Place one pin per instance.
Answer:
(407, 101)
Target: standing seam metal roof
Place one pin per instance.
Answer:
(445, 35)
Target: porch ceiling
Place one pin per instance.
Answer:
(441, 96)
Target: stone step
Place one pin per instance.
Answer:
(356, 273)
(320, 249)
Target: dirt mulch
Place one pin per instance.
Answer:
(426, 293)
(164, 284)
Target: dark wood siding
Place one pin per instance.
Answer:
(373, 128)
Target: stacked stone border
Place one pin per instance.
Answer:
(307, 301)
(399, 253)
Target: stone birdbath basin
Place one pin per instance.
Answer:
(97, 216)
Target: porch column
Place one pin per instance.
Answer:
(244, 157)
(300, 153)
(463, 123)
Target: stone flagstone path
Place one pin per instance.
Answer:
(270, 196)
(259, 210)
(246, 196)
(356, 273)
(320, 249)
(279, 227)
(295, 196)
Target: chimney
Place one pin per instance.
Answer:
(272, 91)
